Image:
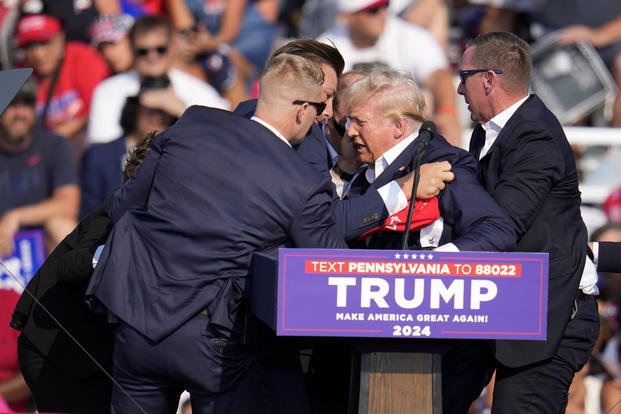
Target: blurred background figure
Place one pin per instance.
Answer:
(367, 35)
(109, 37)
(231, 39)
(65, 87)
(597, 22)
(150, 38)
(103, 164)
(38, 176)
(13, 388)
(433, 15)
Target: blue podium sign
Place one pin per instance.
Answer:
(412, 294)
(29, 255)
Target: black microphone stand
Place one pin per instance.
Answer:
(426, 134)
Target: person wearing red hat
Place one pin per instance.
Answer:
(64, 86)
(367, 35)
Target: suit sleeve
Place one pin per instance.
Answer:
(529, 171)
(609, 257)
(76, 265)
(134, 193)
(314, 225)
(357, 215)
(478, 224)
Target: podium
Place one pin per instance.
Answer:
(389, 303)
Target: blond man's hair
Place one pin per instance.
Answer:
(289, 77)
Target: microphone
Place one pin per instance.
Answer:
(426, 133)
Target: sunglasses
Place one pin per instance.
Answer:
(463, 74)
(160, 50)
(319, 106)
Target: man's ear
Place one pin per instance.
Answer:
(299, 113)
(401, 126)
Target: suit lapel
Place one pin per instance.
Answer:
(477, 141)
(401, 166)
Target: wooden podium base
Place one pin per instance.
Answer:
(399, 383)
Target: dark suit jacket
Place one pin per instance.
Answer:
(215, 188)
(472, 220)
(101, 174)
(531, 173)
(353, 216)
(59, 285)
(609, 257)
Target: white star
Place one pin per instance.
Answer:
(429, 256)
(405, 255)
(421, 256)
(397, 256)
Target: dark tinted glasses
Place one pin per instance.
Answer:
(319, 106)
(463, 74)
(160, 50)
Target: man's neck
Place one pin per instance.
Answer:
(15, 145)
(362, 41)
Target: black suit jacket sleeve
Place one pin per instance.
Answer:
(609, 257)
(314, 225)
(530, 171)
(354, 216)
(477, 222)
(77, 264)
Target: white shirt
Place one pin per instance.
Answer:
(271, 128)
(110, 95)
(395, 199)
(493, 126)
(588, 282)
(401, 46)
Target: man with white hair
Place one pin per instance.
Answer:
(385, 111)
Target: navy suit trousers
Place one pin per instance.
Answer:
(216, 371)
(542, 387)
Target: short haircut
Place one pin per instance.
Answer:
(291, 77)
(398, 94)
(320, 53)
(148, 23)
(507, 52)
(137, 155)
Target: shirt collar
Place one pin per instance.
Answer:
(271, 128)
(496, 124)
(388, 158)
(500, 120)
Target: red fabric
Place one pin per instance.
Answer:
(8, 341)
(612, 206)
(36, 28)
(82, 70)
(425, 212)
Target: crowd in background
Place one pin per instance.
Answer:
(106, 73)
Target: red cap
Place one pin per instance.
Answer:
(37, 28)
(354, 6)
